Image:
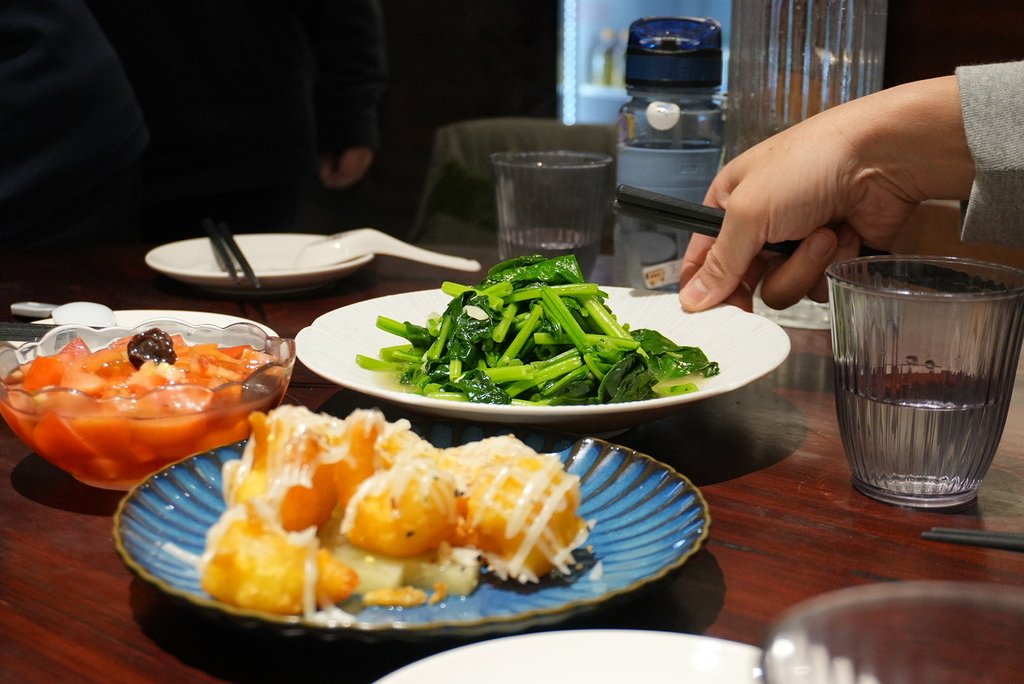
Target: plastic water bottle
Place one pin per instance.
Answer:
(670, 137)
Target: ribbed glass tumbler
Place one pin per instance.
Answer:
(926, 352)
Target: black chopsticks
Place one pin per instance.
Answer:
(23, 332)
(19, 331)
(1009, 541)
(698, 218)
(228, 253)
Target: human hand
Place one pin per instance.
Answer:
(854, 173)
(342, 169)
(790, 187)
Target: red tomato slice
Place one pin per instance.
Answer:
(225, 429)
(172, 437)
(236, 351)
(107, 435)
(75, 349)
(89, 383)
(22, 423)
(108, 363)
(44, 371)
(54, 439)
(108, 372)
(179, 344)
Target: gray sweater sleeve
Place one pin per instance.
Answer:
(992, 101)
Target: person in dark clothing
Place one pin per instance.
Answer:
(240, 96)
(71, 131)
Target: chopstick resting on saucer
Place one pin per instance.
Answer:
(228, 252)
(1009, 541)
(698, 218)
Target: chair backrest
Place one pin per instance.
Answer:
(457, 204)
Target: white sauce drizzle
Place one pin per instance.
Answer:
(430, 483)
(299, 441)
(178, 553)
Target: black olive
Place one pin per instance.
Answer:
(152, 345)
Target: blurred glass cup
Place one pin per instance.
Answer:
(926, 352)
(905, 632)
(789, 60)
(552, 203)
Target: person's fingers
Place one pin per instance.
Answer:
(743, 295)
(340, 170)
(693, 258)
(724, 263)
(848, 248)
(792, 278)
(330, 163)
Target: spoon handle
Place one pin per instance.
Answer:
(352, 244)
(395, 247)
(32, 309)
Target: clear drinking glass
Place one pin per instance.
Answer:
(901, 632)
(790, 59)
(552, 203)
(926, 352)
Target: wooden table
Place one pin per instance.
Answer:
(786, 523)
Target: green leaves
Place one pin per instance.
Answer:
(670, 361)
(535, 269)
(628, 380)
(533, 331)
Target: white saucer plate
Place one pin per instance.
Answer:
(271, 255)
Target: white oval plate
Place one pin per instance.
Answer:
(271, 256)
(595, 656)
(746, 347)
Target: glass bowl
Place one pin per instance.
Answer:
(113, 439)
(915, 632)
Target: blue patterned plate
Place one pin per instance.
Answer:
(648, 520)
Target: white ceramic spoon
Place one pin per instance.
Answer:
(80, 313)
(83, 313)
(352, 244)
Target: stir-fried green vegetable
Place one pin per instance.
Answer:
(534, 332)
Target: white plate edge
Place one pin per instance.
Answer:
(448, 665)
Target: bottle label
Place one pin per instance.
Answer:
(657, 276)
(648, 255)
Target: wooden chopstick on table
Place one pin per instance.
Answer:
(1009, 541)
(228, 252)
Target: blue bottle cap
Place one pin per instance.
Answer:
(674, 52)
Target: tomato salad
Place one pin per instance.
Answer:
(116, 414)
